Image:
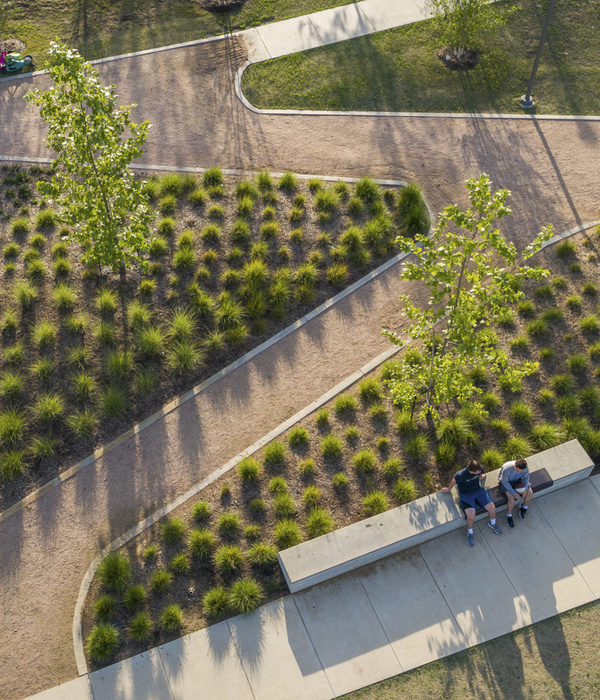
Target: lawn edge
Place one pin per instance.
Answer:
(424, 115)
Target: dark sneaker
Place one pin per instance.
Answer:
(470, 539)
(522, 513)
(510, 522)
(495, 528)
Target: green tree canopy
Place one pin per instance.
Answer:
(462, 24)
(94, 141)
(472, 274)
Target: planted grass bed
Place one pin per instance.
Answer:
(359, 456)
(85, 353)
(399, 70)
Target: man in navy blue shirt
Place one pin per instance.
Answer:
(472, 495)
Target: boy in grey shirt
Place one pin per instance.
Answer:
(514, 475)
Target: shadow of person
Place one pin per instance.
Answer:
(502, 667)
(554, 653)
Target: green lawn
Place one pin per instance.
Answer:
(554, 659)
(398, 70)
(101, 28)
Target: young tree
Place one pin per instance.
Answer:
(461, 24)
(94, 142)
(472, 274)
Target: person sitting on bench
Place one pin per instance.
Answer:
(472, 495)
(514, 482)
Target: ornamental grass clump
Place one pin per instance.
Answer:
(576, 427)
(405, 423)
(577, 364)
(201, 543)
(331, 446)
(392, 467)
(411, 211)
(516, 447)
(180, 563)
(298, 437)
(405, 490)
(115, 572)
(245, 595)
(374, 503)
(417, 446)
(228, 559)
(215, 602)
(171, 618)
(228, 523)
(283, 506)
(445, 454)
(370, 390)
(249, 470)
(173, 530)
(562, 384)
(365, 462)
(49, 407)
(160, 581)
(135, 597)
(453, 430)
(12, 464)
(274, 455)
(319, 522)
(104, 608)
(545, 436)
(287, 533)
(521, 413)
(262, 556)
(492, 459)
(140, 627)
(590, 325)
(12, 427)
(102, 642)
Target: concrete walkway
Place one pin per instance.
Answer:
(330, 26)
(382, 620)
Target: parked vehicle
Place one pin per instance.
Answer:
(14, 62)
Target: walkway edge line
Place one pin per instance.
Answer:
(281, 428)
(194, 391)
(165, 510)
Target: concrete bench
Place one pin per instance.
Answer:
(369, 540)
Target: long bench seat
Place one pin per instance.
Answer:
(369, 540)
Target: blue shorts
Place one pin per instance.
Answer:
(478, 499)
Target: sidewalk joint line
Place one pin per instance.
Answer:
(312, 644)
(437, 585)
(362, 583)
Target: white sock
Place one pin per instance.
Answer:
(493, 521)
(524, 507)
(509, 515)
(470, 532)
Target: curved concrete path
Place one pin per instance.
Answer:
(551, 167)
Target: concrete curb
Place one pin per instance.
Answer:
(307, 410)
(157, 515)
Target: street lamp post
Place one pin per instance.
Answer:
(526, 101)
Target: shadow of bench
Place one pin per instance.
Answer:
(411, 524)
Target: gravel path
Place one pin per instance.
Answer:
(551, 167)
